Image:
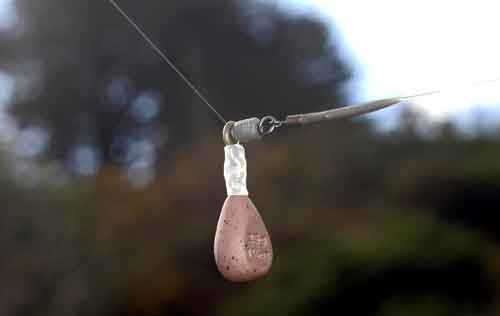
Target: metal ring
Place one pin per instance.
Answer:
(268, 124)
(227, 136)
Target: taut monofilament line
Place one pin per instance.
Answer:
(167, 60)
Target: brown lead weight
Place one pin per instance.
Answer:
(242, 247)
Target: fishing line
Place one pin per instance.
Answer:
(253, 128)
(242, 245)
(167, 60)
(439, 91)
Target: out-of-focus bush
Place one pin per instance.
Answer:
(362, 223)
(353, 232)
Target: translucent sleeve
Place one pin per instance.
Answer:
(235, 170)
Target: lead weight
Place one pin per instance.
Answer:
(242, 246)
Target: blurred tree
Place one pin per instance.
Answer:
(85, 70)
(363, 223)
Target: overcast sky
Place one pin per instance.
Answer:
(401, 47)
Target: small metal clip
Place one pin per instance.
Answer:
(250, 129)
(268, 124)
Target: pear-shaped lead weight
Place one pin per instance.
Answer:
(242, 247)
(243, 250)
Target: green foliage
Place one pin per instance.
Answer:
(104, 247)
(362, 223)
(84, 67)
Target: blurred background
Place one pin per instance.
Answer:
(111, 169)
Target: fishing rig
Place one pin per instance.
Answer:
(252, 129)
(242, 246)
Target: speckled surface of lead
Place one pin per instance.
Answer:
(242, 246)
